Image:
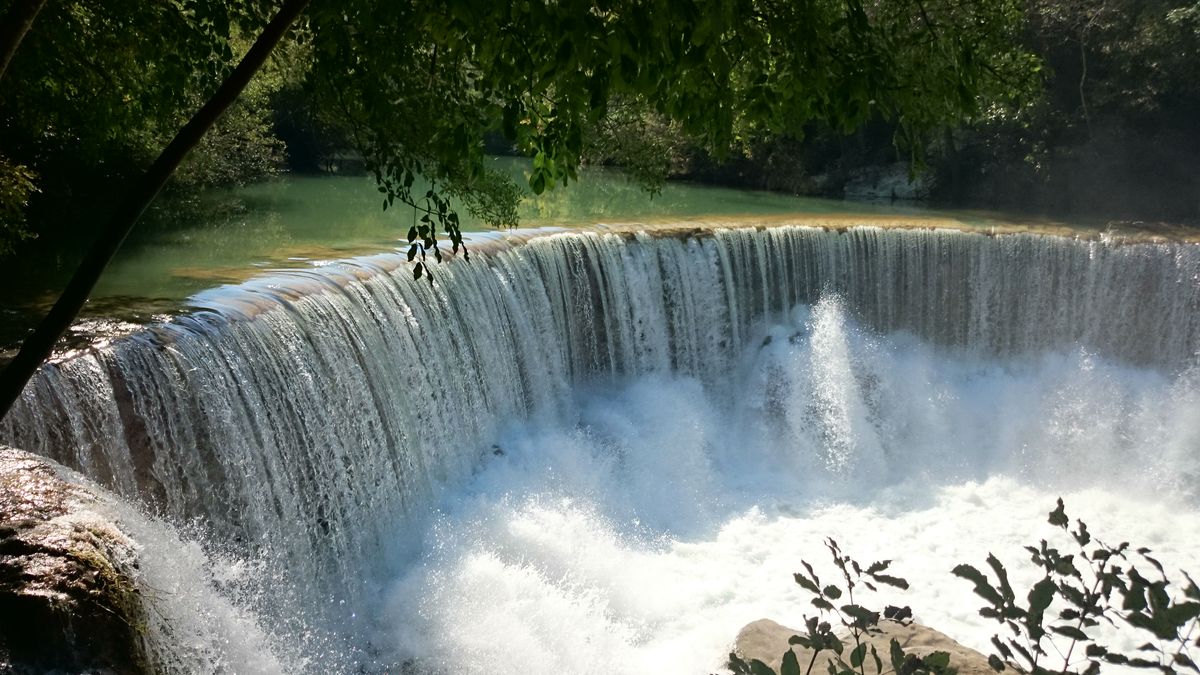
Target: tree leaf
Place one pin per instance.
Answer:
(759, 668)
(937, 660)
(791, 666)
(1071, 632)
(982, 587)
(895, 582)
(1006, 590)
(805, 583)
(1058, 517)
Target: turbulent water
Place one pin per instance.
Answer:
(605, 452)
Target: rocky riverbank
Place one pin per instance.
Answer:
(68, 600)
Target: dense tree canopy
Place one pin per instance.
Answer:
(418, 85)
(544, 74)
(98, 87)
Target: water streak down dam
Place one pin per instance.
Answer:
(300, 417)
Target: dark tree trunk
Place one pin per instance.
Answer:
(14, 27)
(39, 345)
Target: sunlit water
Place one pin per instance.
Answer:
(601, 452)
(640, 532)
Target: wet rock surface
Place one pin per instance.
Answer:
(68, 602)
(767, 641)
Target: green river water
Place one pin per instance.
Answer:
(227, 236)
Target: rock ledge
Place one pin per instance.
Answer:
(68, 600)
(767, 641)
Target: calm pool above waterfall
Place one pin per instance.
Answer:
(606, 450)
(302, 222)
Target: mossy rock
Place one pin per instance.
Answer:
(68, 601)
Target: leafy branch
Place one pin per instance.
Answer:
(1093, 584)
(859, 622)
(1097, 584)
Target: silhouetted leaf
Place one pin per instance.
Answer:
(1040, 597)
(1002, 648)
(937, 660)
(896, 582)
(1145, 553)
(1191, 590)
(1071, 632)
(861, 615)
(858, 654)
(995, 663)
(1058, 517)
(1081, 535)
(791, 666)
(812, 575)
(1006, 590)
(737, 665)
(1183, 612)
(805, 583)
(982, 588)
(896, 656)
(759, 668)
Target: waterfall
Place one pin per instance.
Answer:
(302, 415)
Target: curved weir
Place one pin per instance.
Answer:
(305, 420)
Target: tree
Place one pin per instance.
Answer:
(16, 24)
(40, 343)
(418, 84)
(98, 88)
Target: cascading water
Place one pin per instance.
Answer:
(654, 414)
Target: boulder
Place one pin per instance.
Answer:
(767, 641)
(68, 601)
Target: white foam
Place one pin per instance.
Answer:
(641, 531)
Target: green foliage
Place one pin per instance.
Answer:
(859, 622)
(643, 143)
(418, 101)
(100, 76)
(16, 185)
(97, 87)
(1079, 591)
(242, 146)
(1096, 584)
(1115, 131)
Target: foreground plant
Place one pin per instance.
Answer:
(1047, 632)
(1097, 584)
(860, 622)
